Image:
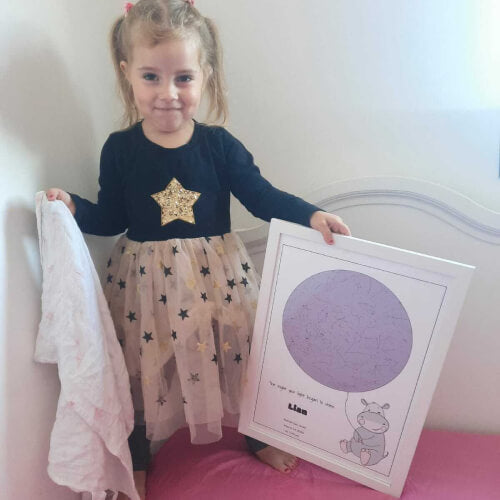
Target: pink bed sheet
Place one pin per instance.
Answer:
(446, 466)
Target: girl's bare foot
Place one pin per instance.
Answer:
(277, 459)
(140, 484)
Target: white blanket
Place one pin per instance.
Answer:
(88, 444)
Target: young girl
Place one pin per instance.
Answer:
(180, 285)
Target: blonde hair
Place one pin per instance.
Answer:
(156, 21)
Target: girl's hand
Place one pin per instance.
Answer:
(327, 223)
(58, 194)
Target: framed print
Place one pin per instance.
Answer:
(347, 348)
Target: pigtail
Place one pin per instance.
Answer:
(118, 54)
(216, 87)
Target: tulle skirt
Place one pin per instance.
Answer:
(184, 311)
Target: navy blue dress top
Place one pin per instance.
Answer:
(212, 164)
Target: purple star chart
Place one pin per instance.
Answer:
(347, 348)
(347, 331)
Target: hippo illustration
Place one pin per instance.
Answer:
(368, 440)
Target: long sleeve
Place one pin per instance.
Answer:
(257, 194)
(108, 216)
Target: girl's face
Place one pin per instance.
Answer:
(167, 82)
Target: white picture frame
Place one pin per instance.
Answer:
(348, 344)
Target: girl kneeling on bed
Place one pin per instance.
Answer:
(181, 287)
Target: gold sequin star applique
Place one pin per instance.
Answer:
(176, 203)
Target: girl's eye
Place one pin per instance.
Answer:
(184, 78)
(150, 77)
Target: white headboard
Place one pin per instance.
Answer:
(431, 219)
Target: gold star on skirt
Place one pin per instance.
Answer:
(176, 203)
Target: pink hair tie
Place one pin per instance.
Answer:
(128, 6)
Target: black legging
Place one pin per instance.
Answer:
(255, 445)
(139, 448)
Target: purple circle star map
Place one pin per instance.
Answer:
(347, 331)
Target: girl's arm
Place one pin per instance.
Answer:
(108, 216)
(265, 201)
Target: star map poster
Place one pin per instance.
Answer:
(348, 344)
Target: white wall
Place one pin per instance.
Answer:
(56, 87)
(320, 91)
(326, 90)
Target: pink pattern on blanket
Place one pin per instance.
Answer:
(447, 465)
